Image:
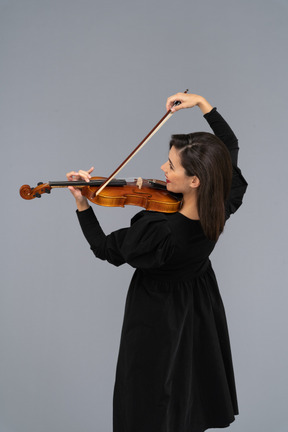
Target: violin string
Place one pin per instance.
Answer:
(132, 155)
(139, 147)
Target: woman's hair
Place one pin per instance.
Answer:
(204, 155)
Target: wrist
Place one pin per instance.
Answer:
(204, 105)
(82, 204)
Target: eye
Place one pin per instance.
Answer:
(171, 166)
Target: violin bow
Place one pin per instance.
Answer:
(139, 147)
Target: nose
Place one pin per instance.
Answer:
(164, 166)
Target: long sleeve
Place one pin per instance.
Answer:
(103, 246)
(223, 131)
(147, 243)
(239, 185)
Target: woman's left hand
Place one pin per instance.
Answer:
(81, 201)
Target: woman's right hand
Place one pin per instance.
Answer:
(188, 100)
(81, 201)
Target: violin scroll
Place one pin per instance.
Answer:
(28, 193)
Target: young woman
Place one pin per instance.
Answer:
(174, 371)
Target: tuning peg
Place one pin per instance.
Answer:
(37, 195)
(47, 190)
(39, 184)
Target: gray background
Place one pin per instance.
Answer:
(82, 82)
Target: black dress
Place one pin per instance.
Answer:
(174, 371)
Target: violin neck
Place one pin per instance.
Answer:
(63, 184)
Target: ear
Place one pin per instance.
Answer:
(195, 182)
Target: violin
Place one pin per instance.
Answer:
(110, 192)
(149, 194)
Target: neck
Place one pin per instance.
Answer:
(189, 206)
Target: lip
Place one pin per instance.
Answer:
(167, 181)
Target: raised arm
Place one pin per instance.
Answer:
(223, 131)
(217, 123)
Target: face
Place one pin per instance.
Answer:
(176, 178)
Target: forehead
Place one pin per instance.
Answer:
(174, 156)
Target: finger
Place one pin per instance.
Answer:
(73, 191)
(182, 105)
(178, 97)
(84, 175)
(170, 102)
(72, 175)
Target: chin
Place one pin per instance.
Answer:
(168, 186)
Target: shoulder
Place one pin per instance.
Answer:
(151, 224)
(174, 226)
(146, 216)
(149, 241)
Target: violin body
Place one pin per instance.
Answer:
(149, 194)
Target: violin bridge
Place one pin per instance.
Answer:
(139, 182)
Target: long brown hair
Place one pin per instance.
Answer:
(205, 156)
